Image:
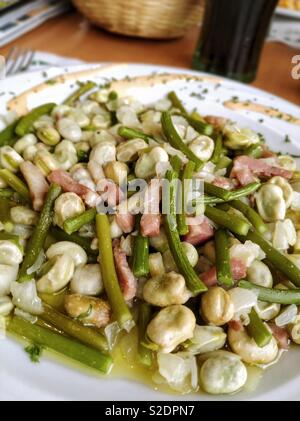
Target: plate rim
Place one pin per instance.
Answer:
(157, 66)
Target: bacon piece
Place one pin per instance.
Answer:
(223, 182)
(146, 201)
(217, 122)
(127, 280)
(245, 169)
(125, 221)
(200, 230)
(151, 219)
(67, 183)
(236, 325)
(150, 225)
(281, 335)
(238, 268)
(266, 152)
(37, 184)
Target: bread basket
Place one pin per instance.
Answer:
(143, 18)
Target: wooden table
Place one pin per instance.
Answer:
(71, 35)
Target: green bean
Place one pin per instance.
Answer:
(223, 206)
(40, 322)
(218, 151)
(250, 214)
(258, 330)
(74, 223)
(224, 275)
(109, 275)
(216, 191)
(61, 344)
(279, 260)
(140, 265)
(224, 162)
(15, 183)
(129, 133)
(233, 195)
(37, 240)
(176, 164)
(193, 282)
(56, 300)
(7, 135)
(5, 211)
(254, 151)
(74, 328)
(6, 193)
(271, 295)
(176, 141)
(176, 103)
(244, 191)
(200, 126)
(11, 237)
(144, 354)
(185, 180)
(208, 200)
(25, 124)
(83, 88)
(83, 242)
(236, 225)
(8, 236)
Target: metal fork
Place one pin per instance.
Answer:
(18, 60)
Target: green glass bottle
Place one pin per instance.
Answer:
(232, 37)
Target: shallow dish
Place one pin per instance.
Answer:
(276, 119)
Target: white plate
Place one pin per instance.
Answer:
(51, 380)
(283, 11)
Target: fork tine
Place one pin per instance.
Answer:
(11, 59)
(11, 53)
(22, 60)
(30, 57)
(19, 60)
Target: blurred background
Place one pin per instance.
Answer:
(225, 37)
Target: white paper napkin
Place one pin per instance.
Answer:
(42, 60)
(285, 30)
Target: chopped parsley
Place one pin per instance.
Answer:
(106, 84)
(35, 352)
(287, 139)
(196, 95)
(112, 96)
(86, 313)
(51, 81)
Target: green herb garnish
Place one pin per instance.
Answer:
(35, 352)
(85, 314)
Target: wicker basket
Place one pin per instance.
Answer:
(143, 18)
